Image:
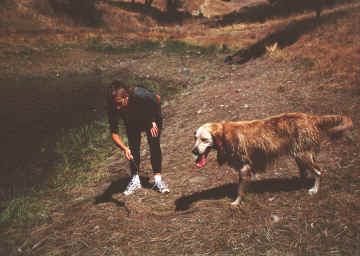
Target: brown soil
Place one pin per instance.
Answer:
(278, 217)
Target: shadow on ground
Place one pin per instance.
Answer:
(283, 38)
(118, 186)
(146, 10)
(81, 11)
(261, 12)
(258, 187)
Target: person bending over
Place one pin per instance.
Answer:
(140, 110)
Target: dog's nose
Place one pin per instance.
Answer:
(195, 151)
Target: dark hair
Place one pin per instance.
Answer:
(115, 86)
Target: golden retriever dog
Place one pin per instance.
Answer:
(249, 146)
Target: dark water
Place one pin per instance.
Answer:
(33, 111)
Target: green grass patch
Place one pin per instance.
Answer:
(99, 44)
(182, 48)
(76, 152)
(24, 211)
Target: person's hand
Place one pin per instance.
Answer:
(128, 154)
(154, 130)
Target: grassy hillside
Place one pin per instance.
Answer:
(28, 27)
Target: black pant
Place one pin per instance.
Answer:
(134, 140)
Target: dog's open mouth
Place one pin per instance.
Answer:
(201, 160)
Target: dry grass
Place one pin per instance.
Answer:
(278, 217)
(311, 68)
(297, 35)
(334, 44)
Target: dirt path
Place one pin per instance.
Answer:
(278, 217)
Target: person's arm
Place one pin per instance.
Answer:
(155, 129)
(118, 141)
(114, 129)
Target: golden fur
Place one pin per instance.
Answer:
(249, 146)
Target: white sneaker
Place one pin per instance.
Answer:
(161, 187)
(133, 185)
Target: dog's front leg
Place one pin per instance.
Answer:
(244, 180)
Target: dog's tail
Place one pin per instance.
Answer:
(334, 125)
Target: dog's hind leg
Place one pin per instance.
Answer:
(317, 172)
(307, 162)
(302, 168)
(244, 180)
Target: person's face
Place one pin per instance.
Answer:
(121, 99)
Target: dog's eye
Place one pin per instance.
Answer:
(204, 140)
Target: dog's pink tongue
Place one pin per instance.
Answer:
(202, 162)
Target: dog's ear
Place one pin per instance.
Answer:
(217, 132)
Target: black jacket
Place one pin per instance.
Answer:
(143, 109)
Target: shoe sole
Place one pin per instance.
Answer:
(130, 193)
(162, 192)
